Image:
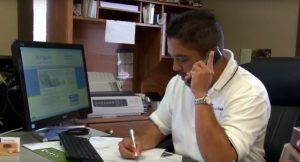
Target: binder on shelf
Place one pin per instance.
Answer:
(92, 9)
(148, 13)
(88, 8)
(163, 23)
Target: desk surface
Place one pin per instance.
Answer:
(27, 155)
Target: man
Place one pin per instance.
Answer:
(214, 111)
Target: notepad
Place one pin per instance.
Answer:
(107, 147)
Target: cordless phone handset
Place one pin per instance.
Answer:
(217, 56)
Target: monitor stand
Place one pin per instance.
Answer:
(51, 133)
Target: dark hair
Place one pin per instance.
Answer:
(197, 29)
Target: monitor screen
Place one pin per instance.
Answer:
(53, 81)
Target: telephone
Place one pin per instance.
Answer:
(217, 56)
(108, 99)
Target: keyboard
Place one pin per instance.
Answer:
(78, 148)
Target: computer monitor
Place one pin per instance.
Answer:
(53, 81)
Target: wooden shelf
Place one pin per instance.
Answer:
(148, 25)
(171, 4)
(80, 18)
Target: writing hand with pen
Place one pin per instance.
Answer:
(130, 148)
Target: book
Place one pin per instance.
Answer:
(53, 154)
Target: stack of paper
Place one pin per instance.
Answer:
(119, 6)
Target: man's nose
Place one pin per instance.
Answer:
(176, 66)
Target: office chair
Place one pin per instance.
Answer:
(282, 80)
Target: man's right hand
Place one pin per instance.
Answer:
(127, 150)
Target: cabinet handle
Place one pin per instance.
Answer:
(111, 132)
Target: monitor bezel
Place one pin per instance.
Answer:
(20, 78)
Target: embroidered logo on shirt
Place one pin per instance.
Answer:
(219, 108)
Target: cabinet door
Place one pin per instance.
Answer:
(120, 129)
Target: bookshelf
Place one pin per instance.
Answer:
(152, 69)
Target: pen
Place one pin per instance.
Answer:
(131, 132)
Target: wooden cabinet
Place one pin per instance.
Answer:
(151, 68)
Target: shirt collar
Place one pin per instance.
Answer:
(227, 73)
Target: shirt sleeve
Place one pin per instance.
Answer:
(163, 115)
(245, 122)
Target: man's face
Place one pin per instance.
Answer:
(183, 58)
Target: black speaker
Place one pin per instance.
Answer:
(11, 110)
(6, 64)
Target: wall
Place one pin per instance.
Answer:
(9, 25)
(247, 24)
(258, 24)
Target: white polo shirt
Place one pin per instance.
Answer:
(241, 105)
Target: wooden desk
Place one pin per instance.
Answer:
(119, 126)
(27, 155)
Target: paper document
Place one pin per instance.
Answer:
(120, 32)
(108, 148)
(41, 145)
